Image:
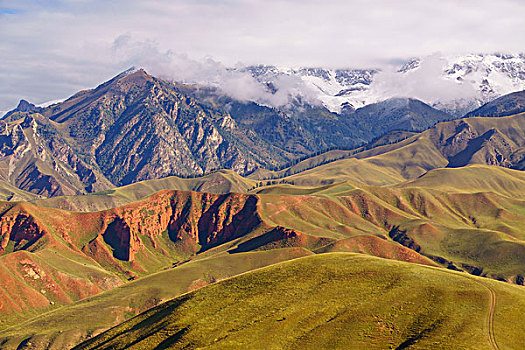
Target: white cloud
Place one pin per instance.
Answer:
(235, 83)
(426, 83)
(50, 48)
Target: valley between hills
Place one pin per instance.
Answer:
(402, 238)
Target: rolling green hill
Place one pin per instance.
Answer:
(343, 301)
(67, 326)
(477, 232)
(79, 263)
(473, 179)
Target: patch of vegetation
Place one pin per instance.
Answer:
(105, 192)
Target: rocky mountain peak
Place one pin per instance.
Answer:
(25, 106)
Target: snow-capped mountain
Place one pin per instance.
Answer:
(462, 83)
(335, 88)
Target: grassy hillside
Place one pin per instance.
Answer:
(345, 170)
(344, 301)
(477, 232)
(225, 181)
(222, 181)
(492, 141)
(473, 179)
(67, 326)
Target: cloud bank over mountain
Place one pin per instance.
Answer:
(455, 83)
(50, 49)
(426, 83)
(235, 82)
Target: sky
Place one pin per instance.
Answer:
(50, 49)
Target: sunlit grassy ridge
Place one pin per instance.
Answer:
(482, 230)
(473, 179)
(66, 326)
(341, 301)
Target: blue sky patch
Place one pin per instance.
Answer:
(6, 11)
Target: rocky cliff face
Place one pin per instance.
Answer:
(136, 127)
(35, 157)
(21, 230)
(168, 224)
(191, 222)
(213, 220)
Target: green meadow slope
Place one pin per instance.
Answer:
(475, 140)
(343, 301)
(472, 179)
(67, 326)
(482, 233)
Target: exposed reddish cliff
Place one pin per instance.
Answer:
(192, 221)
(118, 236)
(22, 229)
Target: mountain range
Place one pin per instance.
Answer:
(146, 213)
(476, 79)
(137, 127)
